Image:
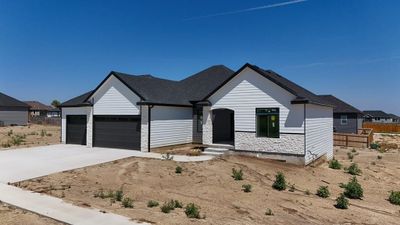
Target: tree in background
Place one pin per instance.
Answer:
(55, 103)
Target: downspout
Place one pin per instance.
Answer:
(149, 126)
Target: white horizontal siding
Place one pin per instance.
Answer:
(248, 91)
(77, 111)
(319, 132)
(14, 117)
(170, 126)
(115, 98)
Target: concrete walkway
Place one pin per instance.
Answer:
(28, 163)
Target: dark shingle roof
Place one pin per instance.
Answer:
(35, 105)
(7, 101)
(375, 113)
(339, 105)
(393, 116)
(77, 101)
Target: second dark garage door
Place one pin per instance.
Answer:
(116, 132)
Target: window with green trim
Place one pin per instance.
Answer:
(267, 121)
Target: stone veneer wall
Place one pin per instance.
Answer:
(286, 144)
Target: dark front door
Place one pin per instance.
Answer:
(223, 126)
(116, 132)
(76, 129)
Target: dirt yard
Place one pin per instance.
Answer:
(12, 137)
(10, 215)
(222, 201)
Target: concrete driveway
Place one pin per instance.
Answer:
(22, 164)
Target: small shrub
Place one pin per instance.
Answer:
(292, 188)
(280, 182)
(354, 169)
(33, 133)
(178, 169)
(350, 156)
(49, 134)
(152, 204)
(100, 194)
(307, 192)
(177, 204)
(269, 212)
(118, 195)
(342, 202)
(379, 157)
(17, 139)
(353, 189)
(167, 207)
(167, 156)
(374, 145)
(323, 192)
(394, 197)
(6, 144)
(246, 188)
(353, 150)
(9, 133)
(127, 203)
(237, 174)
(334, 164)
(43, 133)
(192, 211)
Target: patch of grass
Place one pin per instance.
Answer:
(374, 145)
(6, 144)
(350, 156)
(280, 182)
(33, 133)
(17, 139)
(192, 211)
(237, 174)
(127, 202)
(354, 169)
(178, 169)
(177, 204)
(167, 207)
(379, 157)
(292, 188)
(323, 192)
(353, 150)
(342, 202)
(152, 204)
(353, 189)
(269, 212)
(43, 133)
(9, 133)
(246, 188)
(394, 197)
(100, 194)
(118, 195)
(334, 164)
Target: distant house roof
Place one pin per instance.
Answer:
(339, 105)
(35, 105)
(393, 116)
(196, 88)
(7, 101)
(375, 113)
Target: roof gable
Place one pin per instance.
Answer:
(339, 105)
(35, 105)
(8, 101)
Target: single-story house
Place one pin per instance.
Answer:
(12, 111)
(395, 118)
(377, 116)
(346, 118)
(251, 110)
(38, 109)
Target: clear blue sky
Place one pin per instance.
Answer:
(60, 49)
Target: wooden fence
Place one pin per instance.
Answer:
(363, 139)
(383, 127)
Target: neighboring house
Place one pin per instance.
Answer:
(377, 116)
(395, 119)
(12, 111)
(346, 118)
(38, 109)
(252, 110)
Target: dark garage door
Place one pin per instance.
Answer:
(76, 129)
(117, 132)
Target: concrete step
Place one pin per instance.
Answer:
(215, 151)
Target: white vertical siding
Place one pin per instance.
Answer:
(77, 111)
(248, 91)
(170, 126)
(319, 132)
(14, 117)
(115, 98)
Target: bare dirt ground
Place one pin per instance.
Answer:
(387, 138)
(222, 201)
(10, 215)
(12, 137)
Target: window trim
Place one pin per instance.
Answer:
(257, 114)
(344, 120)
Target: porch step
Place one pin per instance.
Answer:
(215, 151)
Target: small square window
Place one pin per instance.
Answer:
(343, 120)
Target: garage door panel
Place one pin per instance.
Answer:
(76, 129)
(117, 132)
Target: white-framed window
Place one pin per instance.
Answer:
(343, 119)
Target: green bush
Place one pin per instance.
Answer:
(17, 139)
(167, 207)
(350, 156)
(178, 169)
(353, 189)
(269, 212)
(177, 204)
(394, 197)
(127, 203)
(192, 211)
(237, 174)
(342, 202)
(280, 182)
(334, 164)
(375, 146)
(246, 188)
(353, 150)
(354, 169)
(323, 192)
(152, 204)
(118, 195)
